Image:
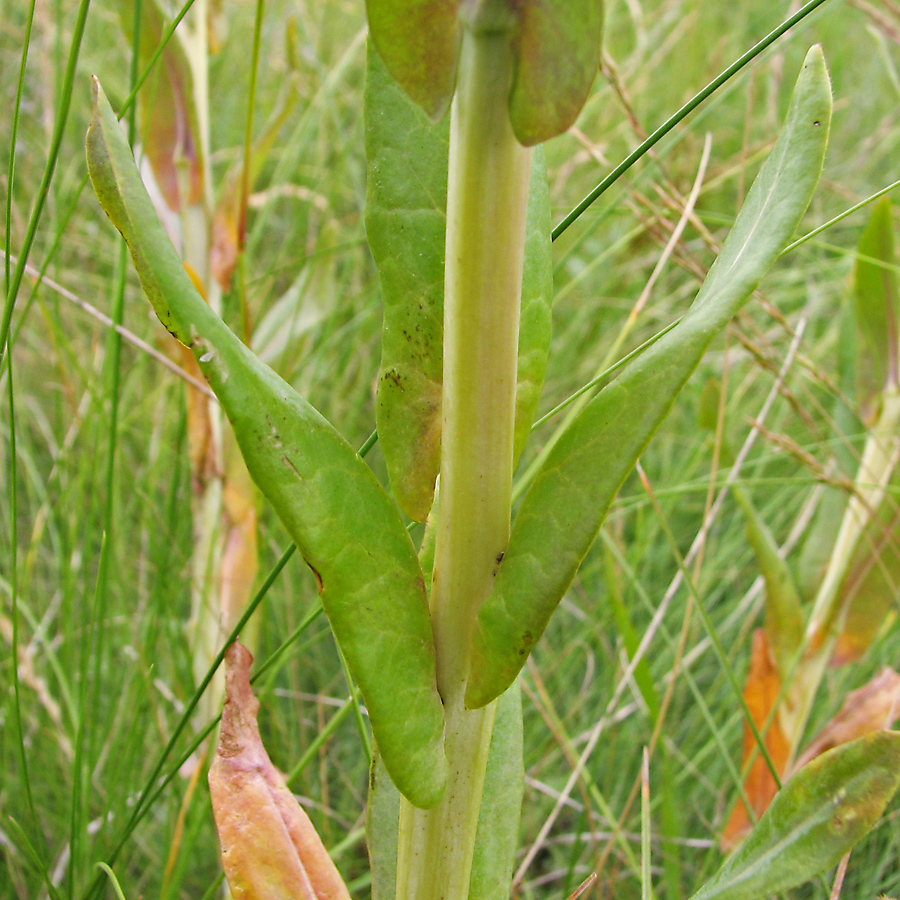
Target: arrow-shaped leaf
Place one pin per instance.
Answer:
(333, 507)
(565, 506)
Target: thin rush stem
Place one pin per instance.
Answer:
(486, 207)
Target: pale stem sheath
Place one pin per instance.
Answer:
(486, 208)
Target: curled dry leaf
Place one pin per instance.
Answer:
(873, 707)
(270, 849)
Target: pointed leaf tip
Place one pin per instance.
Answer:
(121, 193)
(239, 732)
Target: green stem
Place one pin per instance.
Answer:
(486, 206)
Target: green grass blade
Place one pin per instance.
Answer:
(113, 880)
(646, 879)
(877, 305)
(59, 127)
(683, 113)
(564, 508)
(14, 604)
(30, 852)
(841, 216)
(13, 133)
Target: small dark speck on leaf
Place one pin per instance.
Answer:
(816, 122)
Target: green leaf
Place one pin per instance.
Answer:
(344, 524)
(814, 820)
(405, 223)
(784, 610)
(565, 506)
(557, 50)
(556, 47)
(868, 360)
(382, 823)
(537, 303)
(631, 640)
(877, 305)
(419, 42)
(501, 804)
(819, 542)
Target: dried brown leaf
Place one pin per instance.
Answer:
(270, 849)
(873, 707)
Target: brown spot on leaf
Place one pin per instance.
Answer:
(318, 577)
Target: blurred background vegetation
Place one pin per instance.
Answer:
(95, 553)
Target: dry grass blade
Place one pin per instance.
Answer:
(583, 886)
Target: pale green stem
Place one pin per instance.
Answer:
(486, 207)
(207, 627)
(196, 218)
(829, 612)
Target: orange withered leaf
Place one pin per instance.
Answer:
(270, 849)
(761, 692)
